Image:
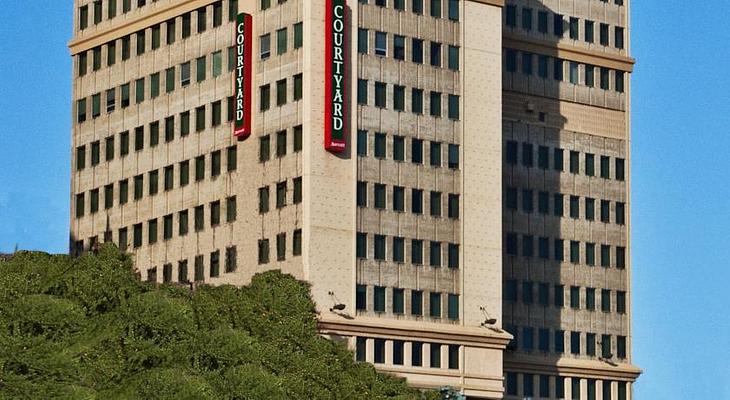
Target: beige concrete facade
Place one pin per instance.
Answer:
(566, 129)
(413, 228)
(190, 202)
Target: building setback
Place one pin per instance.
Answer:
(451, 176)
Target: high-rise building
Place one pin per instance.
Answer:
(368, 147)
(566, 132)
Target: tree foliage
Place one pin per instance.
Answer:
(88, 328)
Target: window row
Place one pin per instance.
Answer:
(148, 39)
(154, 180)
(281, 241)
(281, 189)
(95, 11)
(214, 266)
(398, 103)
(540, 386)
(432, 355)
(282, 40)
(397, 299)
(282, 138)
(512, 150)
(91, 153)
(577, 30)
(581, 343)
(397, 250)
(558, 250)
(168, 228)
(544, 66)
(539, 293)
(282, 88)
(574, 204)
(416, 49)
(149, 87)
(398, 152)
(435, 7)
(398, 200)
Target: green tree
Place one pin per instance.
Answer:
(88, 328)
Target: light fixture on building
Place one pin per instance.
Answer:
(338, 306)
(488, 320)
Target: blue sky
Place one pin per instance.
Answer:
(680, 188)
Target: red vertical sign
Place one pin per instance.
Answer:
(335, 81)
(242, 77)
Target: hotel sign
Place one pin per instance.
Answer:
(335, 71)
(242, 77)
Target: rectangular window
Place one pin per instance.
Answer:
(185, 74)
(435, 104)
(361, 297)
(186, 25)
(435, 57)
(399, 47)
(265, 46)
(434, 300)
(264, 97)
(297, 243)
(156, 31)
(217, 13)
(202, 19)
(362, 41)
(416, 252)
(416, 302)
(81, 110)
(199, 168)
(558, 25)
(298, 83)
(435, 254)
(379, 299)
(453, 107)
(281, 42)
(215, 163)
(417, 201)
(281, 247)
(381, 46)
(199, 269)
(453, 307)
(200, 69)
(232, 158)
(200, 118)
(199, 218)
(264, 200)
(184, 173)
(231, 209)
(169, 81)
(170, 24)
(96, 105)
(140, 42)
(298, 35)
(281, 194)
(297, 196)
(281, 92)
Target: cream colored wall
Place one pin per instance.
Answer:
(329, 180)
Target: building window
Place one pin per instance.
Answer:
(361, 297)
(281, 194)
(417, 252)
(379, 299)
(381, 48)
(281, 247)
(281, 92)
(398, 301)
(263, 248)
(453, 307)
(435, 350)
(379, 247)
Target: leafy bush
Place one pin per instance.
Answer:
(88, 328)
